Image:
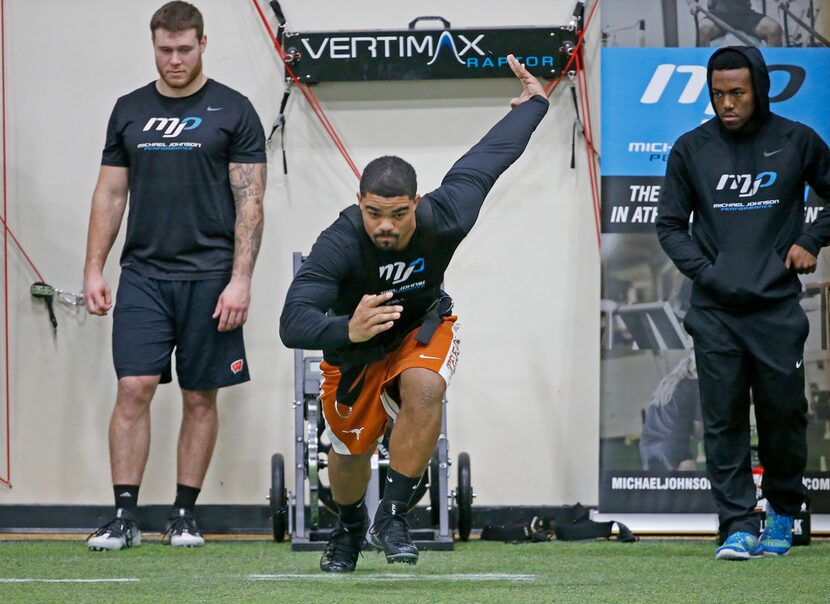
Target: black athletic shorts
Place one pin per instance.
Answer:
(152, 317)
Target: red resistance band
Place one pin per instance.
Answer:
(588, 131)
(308, 94)
(329, 128)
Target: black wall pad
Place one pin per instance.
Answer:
(228, 519)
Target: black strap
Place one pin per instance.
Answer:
(429, 325)
(571, 524)
(349, 387)
(593, 530)
(501, 532)
(574, 524)
(279, 124)
(275, 6)
(573, 146)
(537, 530)
(577, 123)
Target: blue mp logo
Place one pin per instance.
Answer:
(745, 184)
(172, 126)
(398, 272)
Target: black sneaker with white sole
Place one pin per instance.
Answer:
(182, 530)
(344, 547)
(119, 533)
(390, 533)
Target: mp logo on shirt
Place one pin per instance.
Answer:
(399, 272)
(172, 126)
(745, 184)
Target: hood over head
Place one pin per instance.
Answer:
(760, 81)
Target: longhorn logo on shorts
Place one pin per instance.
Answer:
(355, 431)
(237, 365)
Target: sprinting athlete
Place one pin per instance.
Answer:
(369, 295)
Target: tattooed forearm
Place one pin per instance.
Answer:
(248, 187)
(242, 175)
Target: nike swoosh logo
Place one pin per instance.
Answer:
(771, 153)
(798, 364)
(215, 108)
(423, 356)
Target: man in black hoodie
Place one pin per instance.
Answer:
(743, 175)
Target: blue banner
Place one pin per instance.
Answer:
(652, 458)
(650, 96)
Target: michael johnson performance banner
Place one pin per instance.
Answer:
(652, 457)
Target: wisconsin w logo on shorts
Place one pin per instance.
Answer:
(237, 365)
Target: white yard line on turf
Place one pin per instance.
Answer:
(397, 577)
(126, 580)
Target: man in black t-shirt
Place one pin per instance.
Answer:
(737, 14)
(369, 296)
(190, 155)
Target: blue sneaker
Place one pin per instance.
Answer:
(777, 538)
(739, 546)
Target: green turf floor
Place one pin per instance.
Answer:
(649, 571)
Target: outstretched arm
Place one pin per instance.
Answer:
(530, 85)
(459, 198)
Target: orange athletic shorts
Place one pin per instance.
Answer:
(359, 432)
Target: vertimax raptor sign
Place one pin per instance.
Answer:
(423, 54)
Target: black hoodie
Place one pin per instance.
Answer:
(746, 190)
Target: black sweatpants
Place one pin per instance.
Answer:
(759, 351)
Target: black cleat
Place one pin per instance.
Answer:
(119, 533)
(182, 530)
(390, 533)
(344, 547)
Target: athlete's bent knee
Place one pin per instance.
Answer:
(422, 385)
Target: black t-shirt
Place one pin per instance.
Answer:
(181, 210)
